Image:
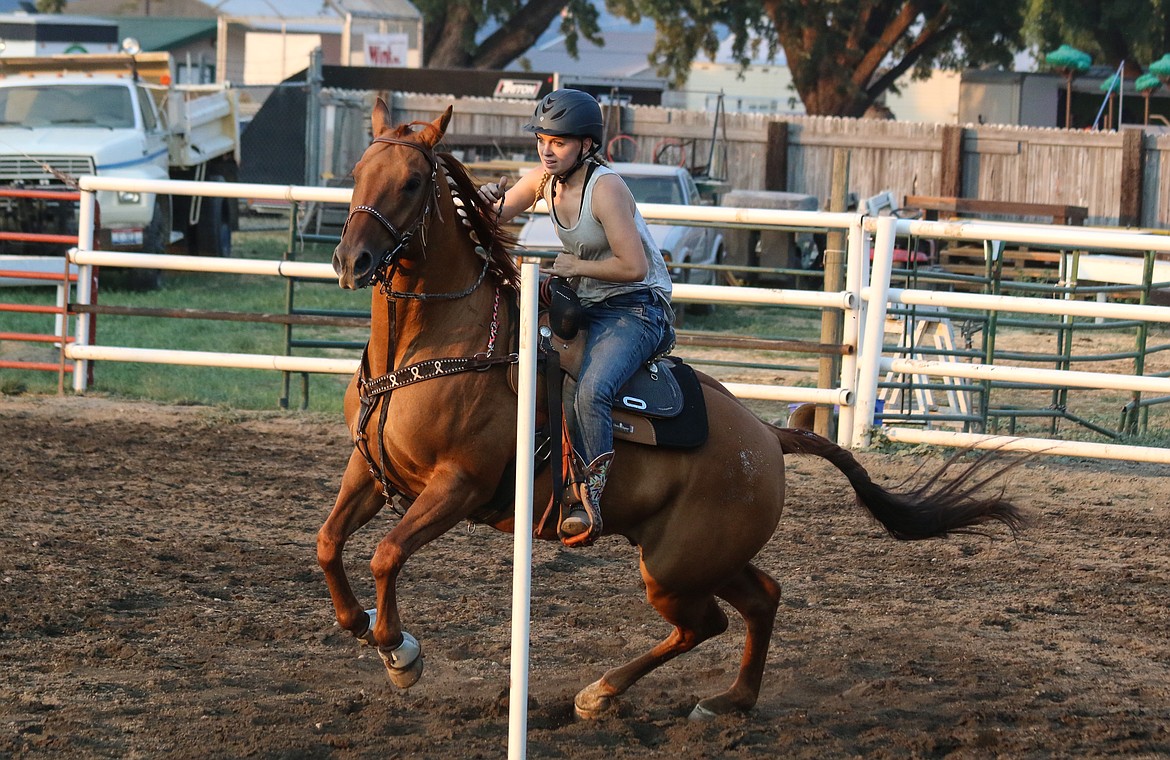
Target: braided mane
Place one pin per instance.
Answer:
(497, 241)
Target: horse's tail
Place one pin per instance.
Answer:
(935, 509)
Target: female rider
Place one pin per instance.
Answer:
(613, 264)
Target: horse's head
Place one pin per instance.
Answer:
(395, 186)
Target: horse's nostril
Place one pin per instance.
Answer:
(363, 264)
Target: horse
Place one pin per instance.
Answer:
(432, 414)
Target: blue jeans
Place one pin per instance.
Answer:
(624, 332)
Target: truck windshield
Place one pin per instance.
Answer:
(98, 106)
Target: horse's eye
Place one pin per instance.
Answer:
(412, 184)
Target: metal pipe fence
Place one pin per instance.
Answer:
(865, 307)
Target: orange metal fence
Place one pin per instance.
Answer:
(61, 335)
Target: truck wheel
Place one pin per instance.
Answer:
(212, 234)
(156, 236)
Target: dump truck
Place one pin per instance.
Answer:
(116, 115)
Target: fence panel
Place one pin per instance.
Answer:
(865, 308)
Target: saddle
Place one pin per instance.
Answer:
(661, 405)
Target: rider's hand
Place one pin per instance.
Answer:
(493, 192)
(566, 264)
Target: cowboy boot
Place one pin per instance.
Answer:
(583, 525)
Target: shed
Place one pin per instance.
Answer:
(262, 42)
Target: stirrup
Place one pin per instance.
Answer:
(577, 522)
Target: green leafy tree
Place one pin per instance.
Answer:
(451, 29)
(843, 54)
(1111, 31)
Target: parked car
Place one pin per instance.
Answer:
(654, 183)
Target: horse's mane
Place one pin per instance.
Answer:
(497, 241)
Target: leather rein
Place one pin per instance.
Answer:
(371, 390)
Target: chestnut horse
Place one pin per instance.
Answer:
(433, 418)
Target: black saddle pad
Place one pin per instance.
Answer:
(653, 391)
(688, 429)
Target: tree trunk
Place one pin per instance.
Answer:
(447, 46)
(450, 37)
(514, 38)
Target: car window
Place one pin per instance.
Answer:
(655, 189)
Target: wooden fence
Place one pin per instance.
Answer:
(1117, 176)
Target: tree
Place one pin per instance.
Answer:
(451, 29)
(1111, 31)
(843, 54)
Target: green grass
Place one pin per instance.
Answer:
(265, 389)
(257, 389)
(244, 389)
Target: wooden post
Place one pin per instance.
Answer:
(951, 163)
(828, 368)
(776, 157)
(614, 124)
(1129, 213)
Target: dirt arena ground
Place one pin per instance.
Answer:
(159, 596)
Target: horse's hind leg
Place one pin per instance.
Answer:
(358, 500)
(756, 596)
(696, 618)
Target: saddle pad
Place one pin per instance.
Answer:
(686, 430)
(652, 393)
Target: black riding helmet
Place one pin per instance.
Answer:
(569, 113)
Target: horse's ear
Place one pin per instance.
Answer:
(381, 117)
(437, 128)
(444, 120)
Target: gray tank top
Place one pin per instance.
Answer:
(587, 240)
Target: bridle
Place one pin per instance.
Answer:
(375, 391)
(388, 264)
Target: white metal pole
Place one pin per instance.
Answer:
(874, 331)
(1059, 377)
(855, 250)
(86, 214)
(522, 551)
(1043, 446)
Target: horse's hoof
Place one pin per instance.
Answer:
(592, 702)
(702, 713)
(404, 663)
(406, 677)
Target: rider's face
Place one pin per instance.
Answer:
(558, 154)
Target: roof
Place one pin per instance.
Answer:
(159, 33)
(317, 9)
(624, 54)
(326, 12)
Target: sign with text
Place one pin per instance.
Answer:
(518, 88)
(386, 49)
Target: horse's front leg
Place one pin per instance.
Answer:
(358, 500)
(448, 498)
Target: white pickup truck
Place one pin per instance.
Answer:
(117, 115)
